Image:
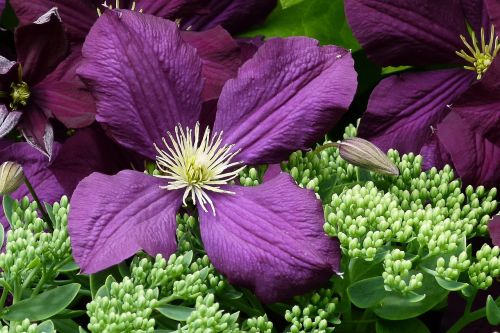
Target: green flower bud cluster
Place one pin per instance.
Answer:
(258, 325)
(187, 233)
(252, 176)
(180, 276)
(127, 308)
(397, 273)
(310, 169)
(426, 206)
(26, 327)
(451, 270)
(207, 318)
(30, 249)
(486, 268)
(313, 313)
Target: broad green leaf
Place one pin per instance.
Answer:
(492, 311)
(81, 330)
(450, 285)
(367, 293)
(66, 325)
(411, 325)
(44, 305)
(98, 280)
(69, 267)
(399, 307)
(7, 203)
(175, 312)
(68, 314)
(359, 268)
(323, 20)
(289, 3)
(45, 327)
(50, 213)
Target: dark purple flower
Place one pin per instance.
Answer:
(79, 15)
(147, 80)
(41, 85)
(88, 150)
(494, 229)
(409, 111)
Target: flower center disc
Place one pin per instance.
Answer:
(197, 166)
(20, 94)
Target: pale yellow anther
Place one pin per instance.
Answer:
(480, 56)
(197, 166)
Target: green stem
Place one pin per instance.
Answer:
(40, 284)
(40, 206)
(167, 300)
(5, 293)
(468, 316)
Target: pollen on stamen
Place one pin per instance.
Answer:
(197, 165)
(481, 54)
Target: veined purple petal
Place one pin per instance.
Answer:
(434, 154)
(402, 108)
(480, 105)
(170, 9)
(8, 120)
(494, 229)
(270, 239)
(144, 77)
(113, 217)
(41, 46)
(233, 15)
(493, 10)
(476, 159)
(475, 13)
(8, 73)
(220, 56)
(405, 32)
(77, 15)
(285, 98)
(37, 130)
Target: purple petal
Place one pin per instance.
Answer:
(113, 217)
(494, 228)
(233, 15)
(41, 46)
(270, 238)
(77, 15)
(170, 9)
(144, 77)
(480, 105)
(402, 108)
(220, 56)
(8, 73)
(8, 120)
(434, 154)
(493, 10)
(475, 13)
(476, 160)
(285, 98)
(37, 130)
(403, 32)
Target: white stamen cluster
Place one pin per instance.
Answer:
(481, 56)
(117, 6)
(198, 166)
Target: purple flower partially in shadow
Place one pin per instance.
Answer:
(40, 85)
(194, 15)
(443, 114)
(87, 151)
(494, 229)
(148, 85)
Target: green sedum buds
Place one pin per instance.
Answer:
(127, 308)
(208, 318)
(397, 273)
(365, 154)
(26, 327)
(451, 271)
(487, 268)
(258, 325)
(11, 177)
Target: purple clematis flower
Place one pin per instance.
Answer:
(41, 85)
(268, 238)
(88, 150)
(494, 229)
(437, 113)
(194, 15)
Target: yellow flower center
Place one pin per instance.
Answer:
(481, 53)
(197, 166)
(20, 94)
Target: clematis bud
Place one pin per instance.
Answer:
(365, 154)
(11, 177)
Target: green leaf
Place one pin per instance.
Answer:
(69, 267)
(50, 213)
(411, 325)
(289, 3)
(450, 285)
(67, 314)
(367, 293)
(66, 325)
(175, 312)
(2, 235)
(97, 280)
(81, 330)
(399, 307)
(492, 311)
(360, 268)
(323, 20)
(44, 305)
(45, 327)
(7, 203)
